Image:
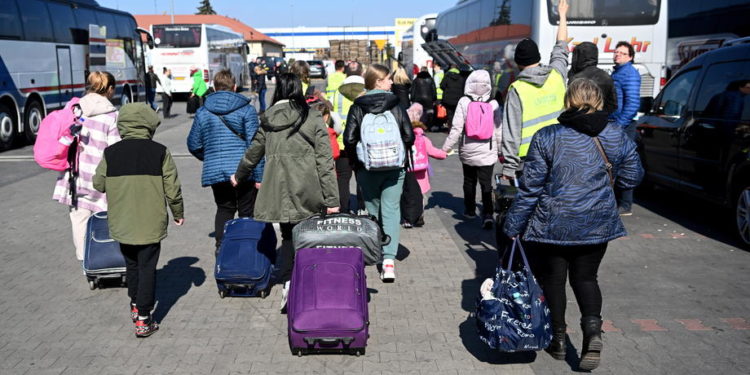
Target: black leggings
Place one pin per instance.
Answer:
(484, 176)
(285, 258)
(551, 265)
(230, 200)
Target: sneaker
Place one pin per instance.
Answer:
(389, 271)
(470, 215)
(284, 296)
(362, 212)
(487, 222)
(133, 312)
(406, 224)
(146, 327)
(624, 212)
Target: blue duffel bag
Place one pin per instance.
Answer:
(514, 317)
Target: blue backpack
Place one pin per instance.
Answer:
(380, 146)
(515, 317)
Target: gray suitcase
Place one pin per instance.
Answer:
(342, 230)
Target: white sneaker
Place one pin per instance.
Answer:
(389, 271)
(284, 295)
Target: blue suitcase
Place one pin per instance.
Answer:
(102, 258)
(245, 259)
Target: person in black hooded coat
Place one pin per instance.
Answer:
(423, 91)
(583, 65)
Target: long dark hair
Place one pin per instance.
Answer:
(289, 87)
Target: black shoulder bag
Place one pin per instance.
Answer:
(240, 135)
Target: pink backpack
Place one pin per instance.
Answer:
(421, 159)
(48, 151)
(480, 121)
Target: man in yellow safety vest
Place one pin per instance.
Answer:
(535, 99)
(335, 80)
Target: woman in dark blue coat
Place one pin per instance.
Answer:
(566, 212)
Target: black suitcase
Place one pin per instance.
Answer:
(504, 195)
(411, 201)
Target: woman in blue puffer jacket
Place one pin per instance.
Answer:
(566, 211)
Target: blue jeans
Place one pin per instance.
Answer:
(382, 194)
(262, 99)
(151, 98)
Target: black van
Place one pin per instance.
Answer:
(696, 136)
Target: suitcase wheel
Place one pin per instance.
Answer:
(222, 293)
(92, 284)
(359, 352)
(297, 352)
(263, 294)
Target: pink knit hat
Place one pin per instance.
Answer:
(415, 112)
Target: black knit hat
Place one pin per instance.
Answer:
(527, 53)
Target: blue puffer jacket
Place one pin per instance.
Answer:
(628, 88)
(565, 197)
(220, 149)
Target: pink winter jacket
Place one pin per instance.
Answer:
(474, 152)
(99, 131)
(423, 177)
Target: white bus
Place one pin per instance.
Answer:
(43, 64)
(413, 56)
(208, 48)
(486, 31)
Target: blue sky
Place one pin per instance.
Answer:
(287, 13)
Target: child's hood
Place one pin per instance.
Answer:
(137, 121)
(418, 132)
(93, 104)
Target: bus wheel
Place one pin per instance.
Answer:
(125, 98)
(8, 127)
(34, 116)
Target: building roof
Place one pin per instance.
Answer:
(251, 35)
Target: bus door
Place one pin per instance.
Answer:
(64, 75)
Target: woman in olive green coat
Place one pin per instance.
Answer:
(299, 178)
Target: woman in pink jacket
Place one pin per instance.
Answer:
(478, 156)
(99, 130)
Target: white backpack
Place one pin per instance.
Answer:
(380, 146)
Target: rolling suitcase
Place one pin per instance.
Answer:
(327, 306)
(342, 230)
(245, 259)
(504, 195)
(102, 258)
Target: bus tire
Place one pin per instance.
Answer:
(8, 127)
(34, 116)
(125, 98)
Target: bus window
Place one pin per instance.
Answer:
(64, 22)
(608, 12)
(84, 18)
(106, 19)
(10, 22)
(180, 36)
(36, 21)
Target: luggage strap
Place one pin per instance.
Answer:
(607, 163)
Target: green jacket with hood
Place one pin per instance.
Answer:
(299, 179)
(199, 85)
(140, 179)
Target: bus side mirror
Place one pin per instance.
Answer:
(647, 104)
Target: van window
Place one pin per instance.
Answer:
(725, 91)
(675, 96)
(10, 22)
(36, 22)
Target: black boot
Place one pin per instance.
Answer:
(556, 348)
(592, 342)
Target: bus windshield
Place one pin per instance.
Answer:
(177, 36)
(607, 12)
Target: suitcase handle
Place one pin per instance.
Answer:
(328, 341)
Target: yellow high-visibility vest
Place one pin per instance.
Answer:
(334, 82)
(341, 106)
(541, 106)
(439, 78)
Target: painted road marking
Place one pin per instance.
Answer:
(737, 323)
(694, 325)
(648, 325)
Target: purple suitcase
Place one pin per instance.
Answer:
(327, 308)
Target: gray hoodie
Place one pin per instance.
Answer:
(537, 75)
(474, 152)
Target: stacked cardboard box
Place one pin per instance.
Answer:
(356, 49)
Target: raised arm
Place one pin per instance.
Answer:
(562, 29)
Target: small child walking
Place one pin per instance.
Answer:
(139, 176)
(423, 150)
